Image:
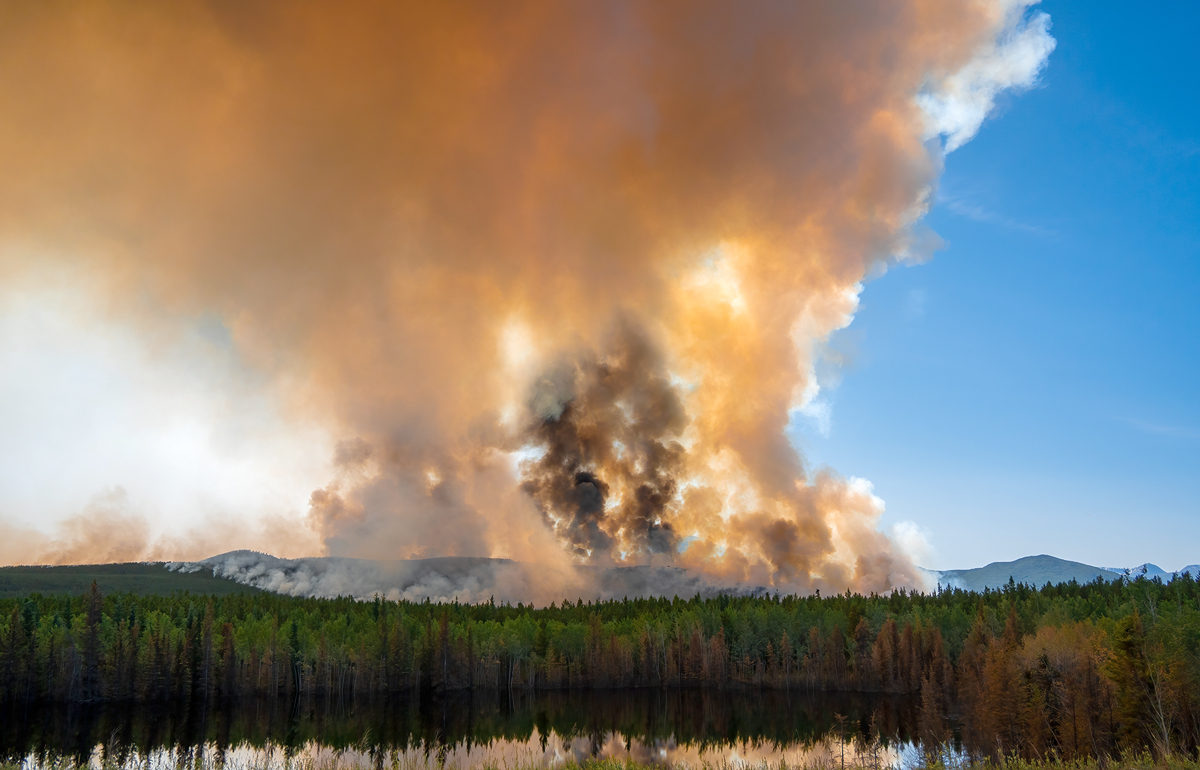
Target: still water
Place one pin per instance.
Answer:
(696, 727)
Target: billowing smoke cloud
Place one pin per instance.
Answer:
(557, 272)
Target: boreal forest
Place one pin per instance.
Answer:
(1071, 670)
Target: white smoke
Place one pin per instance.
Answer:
(957, 105)
(446, 579)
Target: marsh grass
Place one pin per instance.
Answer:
(412, 761)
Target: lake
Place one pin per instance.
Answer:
(495, 729)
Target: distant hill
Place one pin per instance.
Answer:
(1033, 570)
(1155, 571)
(1147, 569)
(138, 577)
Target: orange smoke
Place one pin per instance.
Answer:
(557, 271)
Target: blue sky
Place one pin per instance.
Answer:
(1035, 388)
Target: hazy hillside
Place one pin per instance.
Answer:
(1034, 570)
(467, 579)
(141, 578)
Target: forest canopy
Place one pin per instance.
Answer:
(1078, 669)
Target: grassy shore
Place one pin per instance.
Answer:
(1128, 762)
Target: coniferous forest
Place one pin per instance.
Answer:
(1071, 670)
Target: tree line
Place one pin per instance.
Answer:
(1080, 670)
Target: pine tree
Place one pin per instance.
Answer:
(90, 690)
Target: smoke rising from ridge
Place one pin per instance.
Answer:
(557, 272)
(447, 579)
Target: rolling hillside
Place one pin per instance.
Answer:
(140, 578)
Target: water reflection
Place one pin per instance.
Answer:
(496, 729)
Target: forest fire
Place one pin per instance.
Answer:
(557, 273)
(478, 336)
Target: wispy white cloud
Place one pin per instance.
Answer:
(1159, 429)
(966, 208)
(977, 213)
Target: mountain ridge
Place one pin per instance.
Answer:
(475, 579)
(1030, 570)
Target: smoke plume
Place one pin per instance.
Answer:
(556, 273)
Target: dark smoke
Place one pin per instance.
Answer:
(610, 433)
